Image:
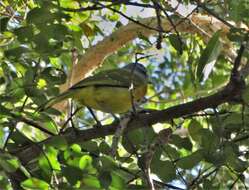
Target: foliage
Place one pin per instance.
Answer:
(37, 38)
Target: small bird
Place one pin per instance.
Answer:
(110, 91)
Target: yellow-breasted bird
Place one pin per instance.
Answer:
(108, 91)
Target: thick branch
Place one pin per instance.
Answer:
(94, 56)
(224, 95)
(201, 24)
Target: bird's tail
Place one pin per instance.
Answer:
(54, 101)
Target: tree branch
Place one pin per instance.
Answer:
(95, 55)
(142, 120)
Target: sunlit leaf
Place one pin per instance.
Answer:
(9, 163)
(34, 184)
(117, 181)
(91, 182)
(85, 161)
(209, 57)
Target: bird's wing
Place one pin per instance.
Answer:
(115, 77)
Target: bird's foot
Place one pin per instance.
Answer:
(98, 124)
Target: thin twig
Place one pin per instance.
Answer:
(162, 138)
(95, 7)
(202, 5)
(238, 61)
(131, 19)
(68, 119)
(202, 178)
(30, 122)
(173, 26)
(177, 170)
(8, 138)
(118, 133)
(159, 21)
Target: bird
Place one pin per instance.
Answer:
(111, 91)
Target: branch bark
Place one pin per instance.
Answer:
(94, 56)
(201, 24)
(225, 95)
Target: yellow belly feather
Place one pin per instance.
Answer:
(108, 99)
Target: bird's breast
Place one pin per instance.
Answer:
(109, 99)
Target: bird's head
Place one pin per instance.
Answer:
(137, 67)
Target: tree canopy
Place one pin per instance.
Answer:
(191, 131)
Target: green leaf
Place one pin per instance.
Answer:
(3, 23)
(233, 118)
(19, 139)
(32, 91)
(181, 142)
(72, 174)
(238, 10)
(85, 161)
(9, 163)
(105, 179)
(76, 148)
(16, 52)
(138, 138)
(58, 142)
(24, 34)
(188, 162)
(51, 126)
(55, 31)
(104, 148)
(117, 181)
(48, 160)
(236, 35)
(90, 146)
(2, 137)
(231, 153)
(91, 182)
(209, 57)
(113, 17)
(88, 31)
(208, 184)
(194, 130)
(42, 45)
(137, 187)
(237, 164)
(245, 95)
(108, 163)
(165, 170)
(35, 184)
(59, 31)
(171, 151)
(39, 16)
(217, 157)
(4, 111)
(176, 43)
(54, 76)
(209, 141)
